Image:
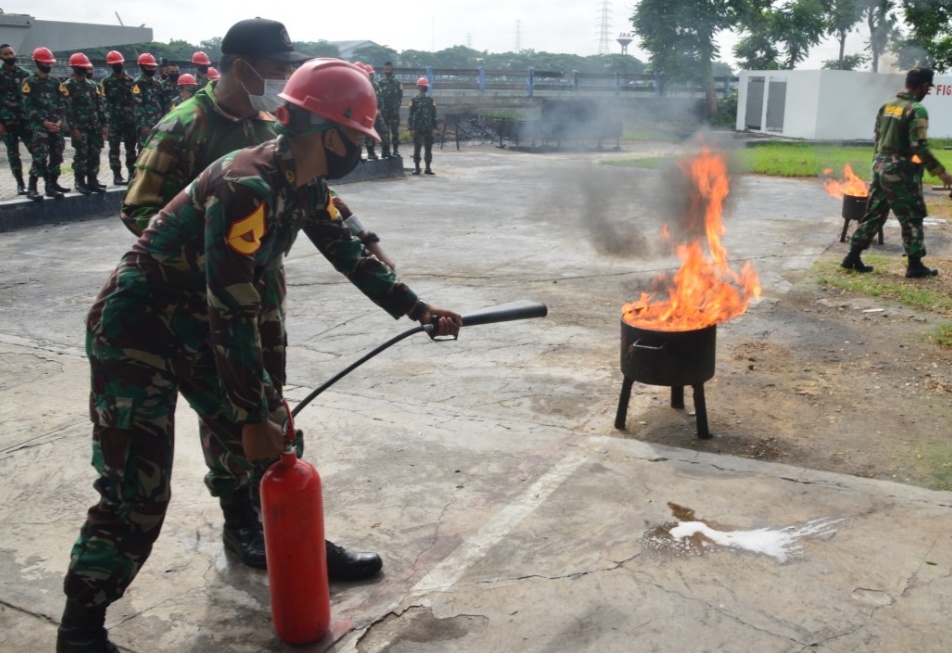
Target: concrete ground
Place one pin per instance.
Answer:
(510, 514)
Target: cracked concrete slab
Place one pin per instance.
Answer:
(486, 471)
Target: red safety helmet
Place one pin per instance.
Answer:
(423, 81)
(336, 90)
(201, 59)
(213, 73)
(187, 79)
(43, 55)
(369, 69)
(114, 57)
(78, 59)
(146, 59)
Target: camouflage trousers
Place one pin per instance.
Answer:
(140, 359)
(423, 140)
(122, 135)
(47, 151)
(896, 185)
(391, 126)
(384, 137)
(17, 131)
(87, 151)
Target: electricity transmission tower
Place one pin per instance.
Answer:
(604, 25)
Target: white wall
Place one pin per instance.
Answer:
(842, 105)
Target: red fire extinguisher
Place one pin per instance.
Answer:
(292, 512)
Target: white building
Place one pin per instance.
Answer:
(829, 104)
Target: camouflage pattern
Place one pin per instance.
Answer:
(149, 105)
(11, 115)
(45, 100)
(170, 94)
(120, 108)
(422, 122)
(390, 100)
(182, 312)
(378, 123)
(86, 112)
(202, 80)
(901, 133)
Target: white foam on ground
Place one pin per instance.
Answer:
(780, 544)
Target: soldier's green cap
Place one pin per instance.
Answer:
(919, 75)
(260, 37)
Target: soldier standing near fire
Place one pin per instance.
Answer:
(901, 127)
(422, 122)
(391, 94)
(121, 118)
(149, 97)
(14, 126)
(87, 120)
(44, 102)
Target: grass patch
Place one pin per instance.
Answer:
(644, 162)
(943, 336)
(804, 160)
(887, 281)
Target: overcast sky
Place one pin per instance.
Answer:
(493, 25)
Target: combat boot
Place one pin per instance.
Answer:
(916, 270)
(428, 171)
(81, 186)
(32, 193)
(386, 152)
(242, 533)
(396, 149)
(50, 189)
(93, 183)
(344, 565)
(82, 630)
(21, 189)
(131, 173)
(852, 261)
(117, 179)
(62, 189)
(371, 153)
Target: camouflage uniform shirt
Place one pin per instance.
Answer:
(11, 99)
(149, 101)
(185, 142)
(391, 95)
(85, 110)
(45, 100)
(199, 267)
(901, 133)
(422, 114)
(120, 102)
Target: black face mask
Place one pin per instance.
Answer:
(79, 72)
(44, 68)
(203, 69)
(148, 72)
(340, 166)
(10, 62)
(117, 67)
(89, 74)
(173, 77)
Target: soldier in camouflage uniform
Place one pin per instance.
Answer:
(149, 98)
(14, 127)
(422, 122)
(44, 103)
(184, 143)
(87, 118)
(370, 143)
(391, 93)
(170, 87)
(901, 127)
(181, 313)
(120, 105)
(202, 63)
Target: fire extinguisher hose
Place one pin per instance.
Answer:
(505, 313)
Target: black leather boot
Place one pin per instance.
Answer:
(916, 270)
(117, 179)
(82, 630)
(92, 182)
(242, 533)
(428, 171)
(386, 152)
(371, 153)
(852, 261)
(62, 189)
(21, 188)
(344, 565)
(50, 189)
(32, 193)
(416, 169)
(81, 186)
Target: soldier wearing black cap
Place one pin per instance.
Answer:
(902, 151)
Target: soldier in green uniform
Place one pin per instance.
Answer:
(901, 127)
(44, 103)
(370, 143)
(225, 116)
(120, 106)
(422, 122)
(87, 119)
(182, 313)
(14, 127)
(170, 87)
(149, 98)
(202, 64)
(391, 92)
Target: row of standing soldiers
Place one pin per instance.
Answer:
(41, 111)
(421, 121)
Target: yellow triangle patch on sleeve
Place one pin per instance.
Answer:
(25, 88)
(64, 90)
(245, 235)
(135, 89)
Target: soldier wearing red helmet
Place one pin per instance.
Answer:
(14, 125)
(202, 64)
(182, 313)
(149, 97)
(422, 123)
(44, 101)
(121, 118)
(370, 143)
(87, 119)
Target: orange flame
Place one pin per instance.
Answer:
(705, 290)
(851, 184)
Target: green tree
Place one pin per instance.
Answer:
(780, 35)
(679, 35)
(842, 17)
(928, 41)
(846, 62)
(881, 20)
(375, 55)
